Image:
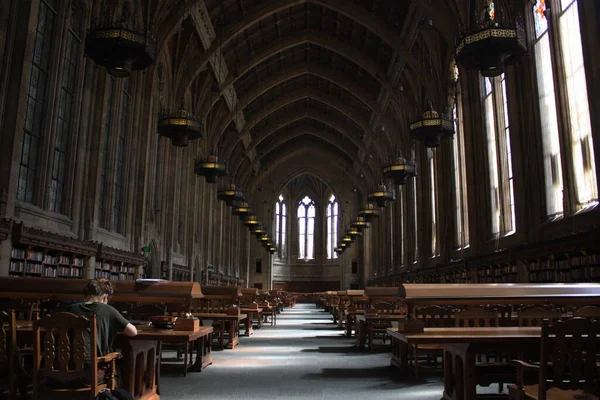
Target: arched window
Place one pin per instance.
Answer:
(280, 224)
(306, 229)
(332, 227)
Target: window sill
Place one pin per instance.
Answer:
(38, 218)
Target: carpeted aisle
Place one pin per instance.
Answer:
(304, 357)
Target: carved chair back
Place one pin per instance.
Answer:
(535, 315)
(476, 318)
(63, 358)
(592, 312)
(435, 316)
(572, 348)
(8, 341)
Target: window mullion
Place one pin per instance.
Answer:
(502, 167)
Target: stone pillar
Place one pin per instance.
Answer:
(5, 253)
(90, 268)
(368, 257)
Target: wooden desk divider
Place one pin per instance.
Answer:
(138, 292)
(473, 294)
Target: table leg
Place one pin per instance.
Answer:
(141, 368)
(204, 358)
(361, 334)
(459, 372)
(234, 339)
(399, 353)
(248, 323)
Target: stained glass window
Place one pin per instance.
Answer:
(306, 228)
(539, 18)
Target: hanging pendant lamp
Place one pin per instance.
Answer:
(353, 233)
(432, 128)
(251, 222)
(210, 168)
(400, 170)
(230, 194)
(360, 223)
(369, 212)
(119, 46)
(496, 38)
(381, 196)
(180, 126)
(242, 209)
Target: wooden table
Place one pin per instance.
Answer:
(250, 318)
(351, 320)
(364, 321)
(231, 320)
(460, 348)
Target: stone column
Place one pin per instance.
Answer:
(5, 252)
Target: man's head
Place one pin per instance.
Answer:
(99, 290)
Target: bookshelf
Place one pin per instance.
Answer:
(37, 262)
(116, 264)
(41, 254)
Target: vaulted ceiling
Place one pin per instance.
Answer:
(273, 77)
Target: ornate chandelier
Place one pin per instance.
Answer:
(381, 196)
(368, 212)
(230, 194)
(359, 224)
(242, 209)
(400, 170)
(432, 128)
(180, 126)
(119, 46)
(496, 38)
(210, 168)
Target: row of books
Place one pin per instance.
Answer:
(27, 254)
(118, 276)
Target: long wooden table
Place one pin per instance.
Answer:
(460, 348)
(231, 320)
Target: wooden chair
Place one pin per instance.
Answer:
(63, 366)
(487, 372)
(378, 328)
(569, 363)
(476, 318)
(432, 317)
(12, 374)
(592, 312)
(535, 315)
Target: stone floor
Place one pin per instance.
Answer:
(304, 357)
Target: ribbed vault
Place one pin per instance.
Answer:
(272, 78)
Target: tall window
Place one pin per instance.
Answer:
(548, 113)
(499, 156)
(460, 175)
(103, 221)
(120, 172)
(306, 228)
(415, 228)
(434, 203)
(280, 225)
(66, 112)
(181, 214)
(332, 227)
(36, 101)
(573, 109)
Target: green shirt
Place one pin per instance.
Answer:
(109, 322)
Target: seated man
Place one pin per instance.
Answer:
(109, 322)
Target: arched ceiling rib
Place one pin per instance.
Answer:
(368, 99)
(255, 54)
(283, 102)
(281, 126)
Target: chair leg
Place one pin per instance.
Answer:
(416, 358)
